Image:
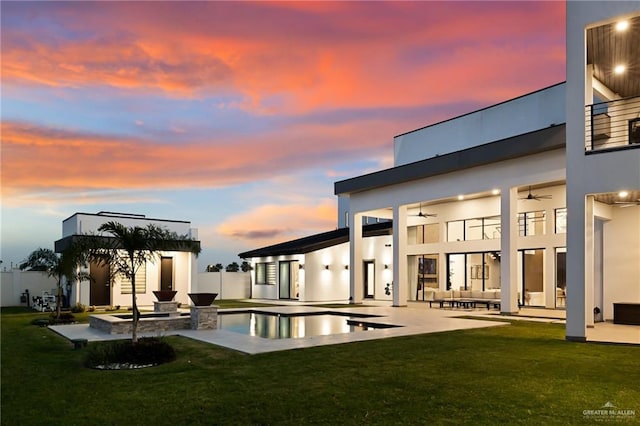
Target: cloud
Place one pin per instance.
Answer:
(258, 234)
(292, 58)
(271, 223)
(36, 158)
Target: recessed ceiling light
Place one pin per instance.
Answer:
(623, 194)
(619, 69)
(460, 197)
(622, 26)
(495, 191)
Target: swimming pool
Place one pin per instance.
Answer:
(274, 326)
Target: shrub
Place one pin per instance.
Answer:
(124, 354)
(92, 308)
(78, 308)
(65, 318)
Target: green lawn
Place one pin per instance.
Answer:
(520, 373)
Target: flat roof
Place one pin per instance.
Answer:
(110, 242)
(125, 216)
(481, 109)
(547, 139)
(317, 241)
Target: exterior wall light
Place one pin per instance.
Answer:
(386, 266)
(622, 26)
(346, 266)
(326, 266)
(301, 266)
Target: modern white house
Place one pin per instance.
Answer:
(537, 197)
(280, 271)
(173, 270)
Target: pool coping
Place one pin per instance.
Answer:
(411, 321)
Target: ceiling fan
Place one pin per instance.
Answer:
(424, 215)
(628, 203)
(536, 197)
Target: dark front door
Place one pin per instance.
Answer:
(100, 293)
(166, 274)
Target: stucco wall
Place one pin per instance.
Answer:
(318, 284)
(525, 114)
(228, 285)
(81, 223)
(14, 283)
(587, 174)
(621, 258)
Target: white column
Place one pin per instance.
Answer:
(356, 275)
(400, 276)
(576, 266)
(193, 270)
(509, 250)
(589, 255)
(549, 275)
(442, 271)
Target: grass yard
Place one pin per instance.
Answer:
(520, 373)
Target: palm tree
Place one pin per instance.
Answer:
(63, 266)
(131, 247)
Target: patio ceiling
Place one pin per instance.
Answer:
(607, 48)
(613, 198)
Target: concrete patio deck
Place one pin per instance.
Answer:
(416, 318)
(411, 321)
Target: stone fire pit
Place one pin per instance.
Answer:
(165, 295)
(202, 299)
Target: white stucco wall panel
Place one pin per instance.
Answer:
(587, 174)
(327, 284)
(525, 114)
(228, 285)
(14, 283)
(621, 258)
(181, 282)
(544, 167)
(81, 223)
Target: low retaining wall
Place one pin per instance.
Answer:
(114, 325)
(201, 318)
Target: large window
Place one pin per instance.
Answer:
(530, 265)
(141, 281)
(426, 234)
(473, 271)
(266, 273)
(532, 223)
(483, 228)
(561, 221)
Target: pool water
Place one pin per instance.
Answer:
(274, 326)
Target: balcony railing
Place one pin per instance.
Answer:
(613, 125)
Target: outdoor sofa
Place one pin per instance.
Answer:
(466, 298)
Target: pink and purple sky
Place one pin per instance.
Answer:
(239, 116)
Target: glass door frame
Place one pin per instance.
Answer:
(366, 277)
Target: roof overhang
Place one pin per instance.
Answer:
(547, 139)
(110, 242)
(317, 241)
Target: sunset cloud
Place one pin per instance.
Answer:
(37, 157)
(241, 115)
(270, 224)
(251, 51)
